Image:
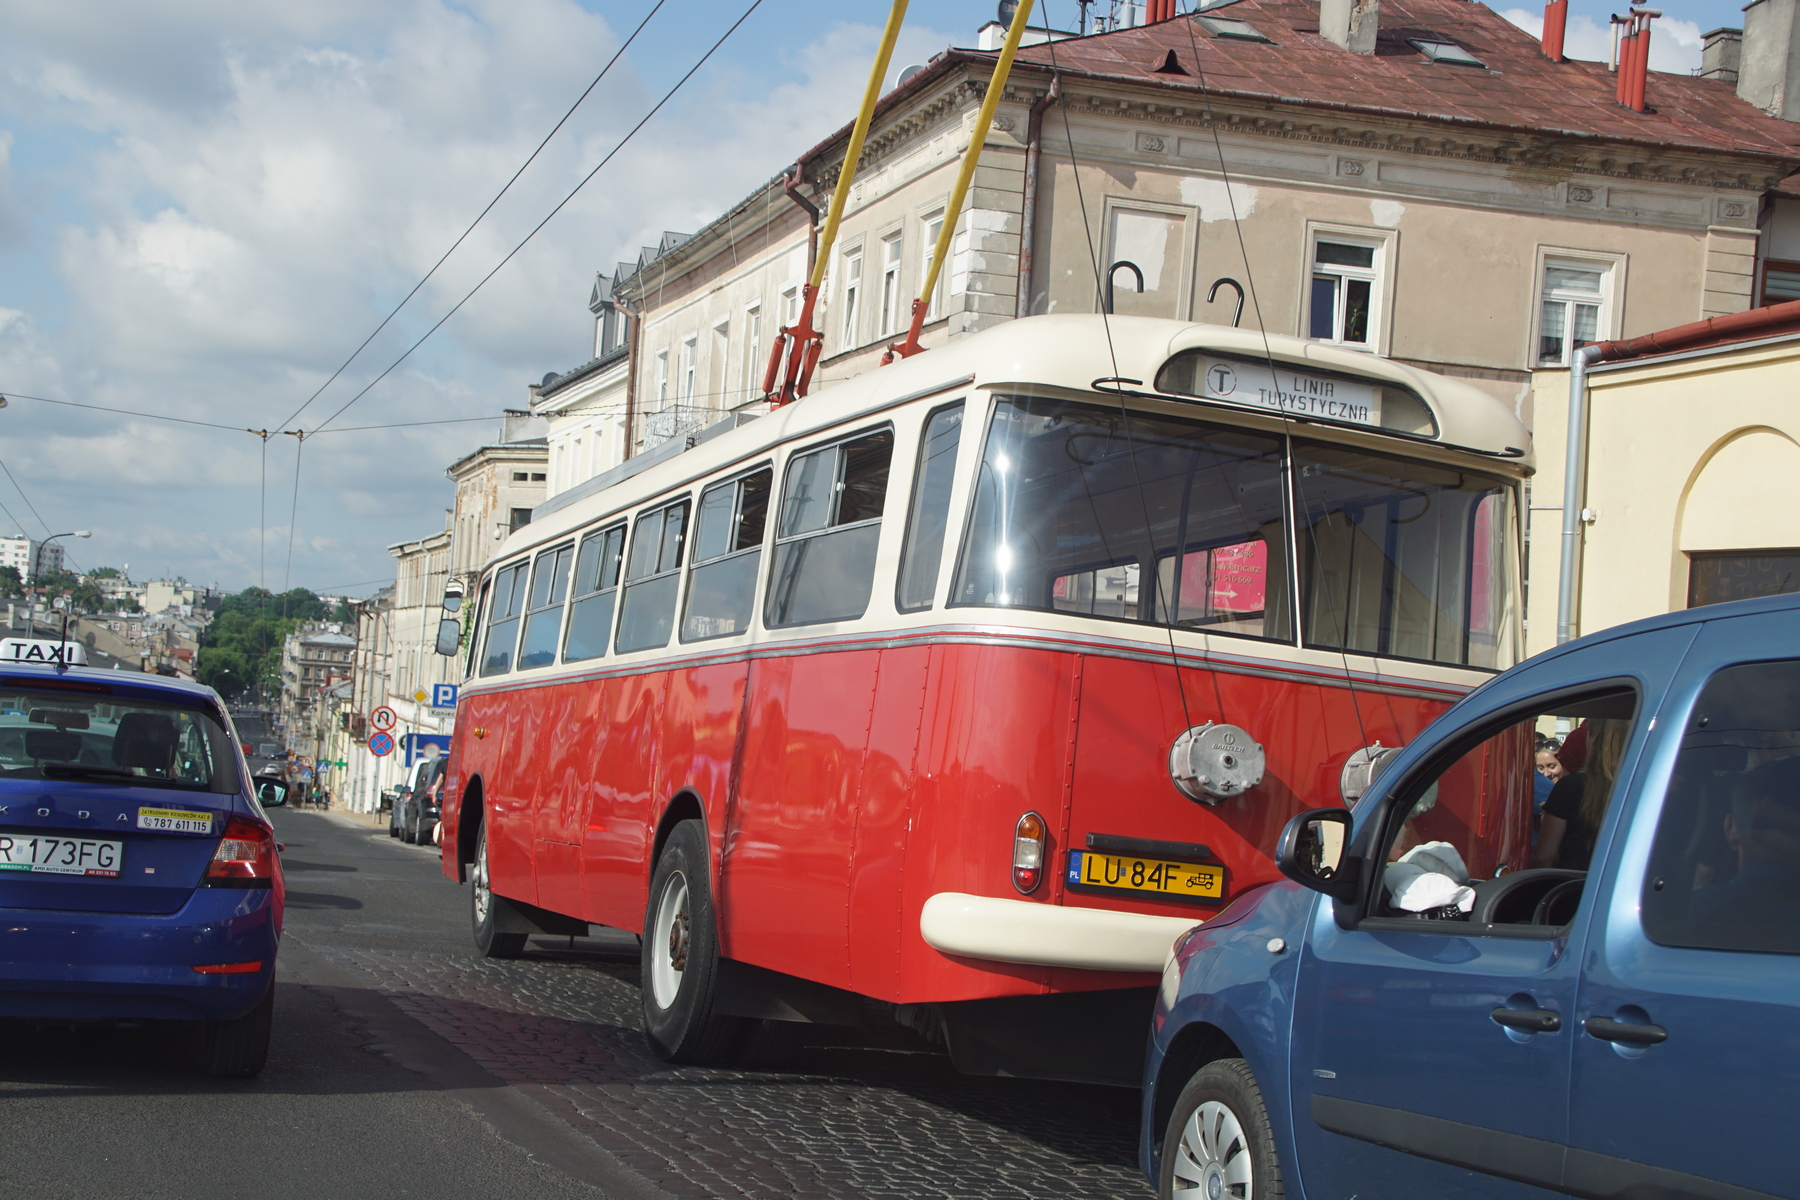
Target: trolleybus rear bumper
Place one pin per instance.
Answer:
(1049, 935)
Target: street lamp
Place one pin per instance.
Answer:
(79, 533)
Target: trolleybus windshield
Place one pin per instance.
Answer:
(1086, 508)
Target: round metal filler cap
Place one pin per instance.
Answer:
(1212, 762)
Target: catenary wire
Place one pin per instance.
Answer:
(623, 142)
(479, 216)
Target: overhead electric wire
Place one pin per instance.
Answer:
(67, 557)
(483, 213)
(623, 142)
(126, 412)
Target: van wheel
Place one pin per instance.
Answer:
(484, 906)
(680, 955)
(238, 1049)
(1218, 1142)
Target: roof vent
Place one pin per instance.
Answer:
(1230, 27)
(1171, 66)
(1445, 52)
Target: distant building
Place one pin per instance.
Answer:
(585, 407)
(30, 558)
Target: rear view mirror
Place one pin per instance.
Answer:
(1313, 853)
(453, 596)
(271, 792)
(449, 636)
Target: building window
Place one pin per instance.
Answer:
(537, 477)
(687, 370)
(1571, 310)
(790, 306)
(662, 380)
(934, 229)
(890, 283)
(718, 382)
(1346, 279)
(852, 287)
(1781, 282)
(521, 517)
(520, 477)
(753, 364)
(1714, 578)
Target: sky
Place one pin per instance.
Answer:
(207, 205)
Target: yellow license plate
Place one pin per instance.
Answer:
(1119, 872)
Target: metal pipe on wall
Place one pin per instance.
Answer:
(1574, 479)
(1034, 136)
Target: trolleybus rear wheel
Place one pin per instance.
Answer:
(680, 955)
(484, 907)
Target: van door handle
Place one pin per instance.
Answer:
(1532, 1020)
(1609, 1030)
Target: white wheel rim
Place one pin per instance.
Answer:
(670, 938)
(481, 881)
(1212, 1160)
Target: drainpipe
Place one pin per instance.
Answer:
(791, 185)
(1574, 472)
(1028, 218)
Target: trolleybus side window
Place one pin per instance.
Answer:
(930, 512)
(728, 538)
(831, 509)
(477, 616)
(543, 614)
(1075, 501)
(503, 619)
(1402, 558)
(596, 589)
(652, 578)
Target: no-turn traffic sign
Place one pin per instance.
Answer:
(381, 744)
(383, 719)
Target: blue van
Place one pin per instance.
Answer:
(1615, 1012)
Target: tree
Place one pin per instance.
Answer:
(10, 583)
(224, 670)
(106, 573)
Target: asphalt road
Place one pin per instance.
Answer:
(402, 1065)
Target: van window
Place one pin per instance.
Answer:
(503, 620)
(728, 538)
(930, 513)
(543, 614)
(596, 588)
(831, 510)
(652, 577)
(1459, 840)
(1725, 866)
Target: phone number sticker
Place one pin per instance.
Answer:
(174, 820)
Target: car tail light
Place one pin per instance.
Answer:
(240, 968)
(1028, 852)
(245, 857)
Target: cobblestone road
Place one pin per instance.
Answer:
(844, 1120)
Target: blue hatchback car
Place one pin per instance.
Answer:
(1608, 1007)
(139, 878)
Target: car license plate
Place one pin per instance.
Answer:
(1119, 872)
(43, 854)
(174, 820)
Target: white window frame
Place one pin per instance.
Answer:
(662, 380)
(690, 349)
(892, 302)
(790, 305)
(1380, 275)
(852, 294)
(718, 372)
(931, 221)
(1611, 266)
(753, 350)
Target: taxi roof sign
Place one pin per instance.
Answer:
(46, 653)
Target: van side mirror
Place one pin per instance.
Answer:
(449, 636)
(1313, 852)
(271, 791)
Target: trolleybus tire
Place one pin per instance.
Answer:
(484, 909)
(1219, 1137)
(237, 1049)
(680, 956)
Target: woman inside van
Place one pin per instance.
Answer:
(1577, 804)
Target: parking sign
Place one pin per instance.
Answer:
(443, 695)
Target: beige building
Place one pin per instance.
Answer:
(1692, 444)
(497, 486)
(1451, 198)
(584, 408)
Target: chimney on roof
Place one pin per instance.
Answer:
(1556, 23)
(1352, 23)
(1719, 58)
(1768, 73)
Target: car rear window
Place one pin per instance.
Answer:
(59, 735)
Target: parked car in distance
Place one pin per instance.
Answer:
(426, 804)
(1432, 1005)
(139, 876)
(403, 820)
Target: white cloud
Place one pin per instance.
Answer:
(227, 197)
(1675, 44)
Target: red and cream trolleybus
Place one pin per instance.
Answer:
(965, 686)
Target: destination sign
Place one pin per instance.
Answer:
(1287, 390)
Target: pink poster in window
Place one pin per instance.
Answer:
(1239, 577)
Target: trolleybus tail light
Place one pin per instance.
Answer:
(245, 857)
(1028, 852)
